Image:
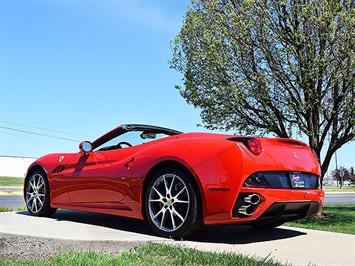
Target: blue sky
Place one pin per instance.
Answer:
(87, 66)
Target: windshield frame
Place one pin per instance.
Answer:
(122, 129)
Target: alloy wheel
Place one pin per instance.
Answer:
(169, 202)
(35, 193)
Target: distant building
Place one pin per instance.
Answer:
(14, 165)
(329, 181)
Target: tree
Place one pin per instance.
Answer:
(270, 66)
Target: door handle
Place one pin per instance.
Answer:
(129, 163)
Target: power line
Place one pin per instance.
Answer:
(33, 140)
(46, 129)
(39, 134)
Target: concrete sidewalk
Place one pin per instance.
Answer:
(287, 245)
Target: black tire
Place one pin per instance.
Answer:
(193, 220)
(46, 210)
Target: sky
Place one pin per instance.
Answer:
(84, 67)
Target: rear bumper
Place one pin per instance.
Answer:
(222, 177)
(276, 205)
(288, 211)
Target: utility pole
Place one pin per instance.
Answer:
(336, 168)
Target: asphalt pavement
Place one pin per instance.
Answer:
(12, 201)
(335, 198)
(285, 244)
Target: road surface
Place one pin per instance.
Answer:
(340, 198)
(15, 201)
(285, 244)
(11, 201)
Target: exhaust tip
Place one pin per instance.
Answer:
(252, 199)
(246, 210)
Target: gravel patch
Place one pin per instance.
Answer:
(26, 247)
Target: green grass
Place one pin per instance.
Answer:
(338, 189)
(148, 254)
(5, 209)
(9, 181)
(338, 218)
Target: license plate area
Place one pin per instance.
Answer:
(297, 180)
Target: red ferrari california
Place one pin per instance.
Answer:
(180, 181)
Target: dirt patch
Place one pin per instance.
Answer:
(24, 247)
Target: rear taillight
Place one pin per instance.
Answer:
(252, 144)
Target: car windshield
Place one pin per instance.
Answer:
(128, 139)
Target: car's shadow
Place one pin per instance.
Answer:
(228, 234)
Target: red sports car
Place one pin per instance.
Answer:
(179, 181)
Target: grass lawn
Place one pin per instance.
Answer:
(148, 254)
(335, 218)
(5, 209)
(9, 181)
(338, 189)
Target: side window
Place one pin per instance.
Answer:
(131, 137)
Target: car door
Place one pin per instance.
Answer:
(99, 179)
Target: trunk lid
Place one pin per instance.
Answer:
(289, 154)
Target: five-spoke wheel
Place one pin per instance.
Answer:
(172, 204)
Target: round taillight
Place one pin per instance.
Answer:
(254, 146)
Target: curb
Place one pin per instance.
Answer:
(12, 188)
(11, 192)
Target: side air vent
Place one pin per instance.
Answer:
(58, 169)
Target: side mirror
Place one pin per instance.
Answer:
(85, 147)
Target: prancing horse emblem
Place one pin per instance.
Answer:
(61, 158)
(296, 156)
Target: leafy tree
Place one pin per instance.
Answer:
(270, 66)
